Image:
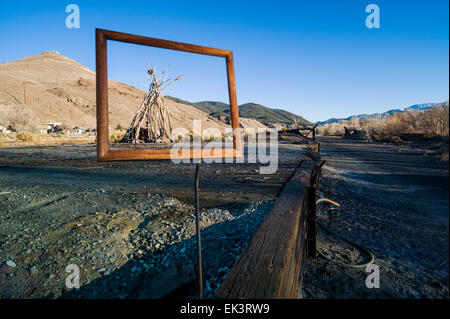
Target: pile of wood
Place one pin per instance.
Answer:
(152, 124)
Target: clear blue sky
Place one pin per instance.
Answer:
(314, 58)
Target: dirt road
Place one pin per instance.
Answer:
(75, 166)
(394, 202)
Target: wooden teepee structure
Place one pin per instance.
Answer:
(152, 120)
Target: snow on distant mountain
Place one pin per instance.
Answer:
(416, 107)
(421, 107)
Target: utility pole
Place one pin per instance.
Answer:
(25, 95)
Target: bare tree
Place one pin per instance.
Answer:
(434, 122)
(19, 118)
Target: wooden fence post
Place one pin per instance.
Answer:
(311, 223)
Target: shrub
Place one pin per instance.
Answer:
(116, 136)
(6, 137)
(19, 119)
(25, 136)
(436, 121)
(431, 123)
(178, 138)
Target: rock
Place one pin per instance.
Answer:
(208, 286)
(32, 270)
(11, 264)
(5, 269)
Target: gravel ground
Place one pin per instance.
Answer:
(128, 226)
(125, 245)
(131, 238)
(393, 202)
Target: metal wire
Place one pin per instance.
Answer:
(197, 227)
(368, 252)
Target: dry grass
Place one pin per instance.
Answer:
(25, 136)
(28, 138)
(430, 123)
(116, 136)
(217, 136)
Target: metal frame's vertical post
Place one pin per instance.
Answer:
(234, 112)
(102, 93)
(311, 222)
(197, 227)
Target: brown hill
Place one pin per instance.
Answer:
(50, 87)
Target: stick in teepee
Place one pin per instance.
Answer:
(152, 120)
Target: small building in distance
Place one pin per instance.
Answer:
(77, 131)
(51, 127)
(4, 130)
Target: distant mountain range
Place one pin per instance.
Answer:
(49, 87)
(266, 115)
(59, 89)
(416, 107)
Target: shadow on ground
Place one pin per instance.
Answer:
(172, 271)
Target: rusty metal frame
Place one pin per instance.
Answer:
(104, 153)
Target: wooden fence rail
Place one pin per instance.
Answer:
(306, 132)
(272, 265)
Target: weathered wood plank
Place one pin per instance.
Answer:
(270, 267)
(311, 222)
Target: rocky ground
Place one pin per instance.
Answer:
(128, 227)
(125, 245)
(394, 202)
